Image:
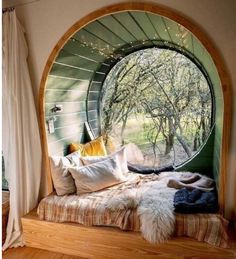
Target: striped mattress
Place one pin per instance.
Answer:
(91, 210)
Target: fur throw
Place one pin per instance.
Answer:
(154, 203)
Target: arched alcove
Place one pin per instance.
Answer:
(75, 71)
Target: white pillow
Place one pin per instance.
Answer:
(62, 179)
(133, 154)
(96, 176)
(119, 156)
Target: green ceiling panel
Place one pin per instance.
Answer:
(104, 69)
(92, 105)
(54, 82)
(117, 27)
(197, 48)
(102, 32)
(131, 25)
(78, 48)
(95, 86)
(69, 119)
(93, 41)
(67, 107)
(63, 143)
(160, 27)
(93, 114)
(146, 24)
(99, 77)
(62, 96)
(60, 148)
(70, 72)
(186, 38)
(65, 57)
(66, 132)
(93, 96)
(173, 31)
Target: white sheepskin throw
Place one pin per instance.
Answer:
(155, 211)
(154, 203)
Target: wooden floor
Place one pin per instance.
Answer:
(177, 248)
(34, 253)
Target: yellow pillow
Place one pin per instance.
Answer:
(95, 147)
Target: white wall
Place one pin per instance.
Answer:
(45, 21)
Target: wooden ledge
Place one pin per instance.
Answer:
(75, 239)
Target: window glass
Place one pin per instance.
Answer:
(159, 100)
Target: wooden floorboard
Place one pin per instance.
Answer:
(34, 253)
(176, 248)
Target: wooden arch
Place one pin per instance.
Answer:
(188, 24)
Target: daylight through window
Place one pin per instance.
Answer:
(159, 100)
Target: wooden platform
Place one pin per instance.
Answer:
(104, 242)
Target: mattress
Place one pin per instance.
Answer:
(91, 210)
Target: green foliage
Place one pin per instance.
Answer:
(167, 96)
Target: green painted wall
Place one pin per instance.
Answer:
(202, 162)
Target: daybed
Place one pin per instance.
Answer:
(95, 197)
(143, 203)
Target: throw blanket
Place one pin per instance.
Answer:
(194, 181)
(195, 201)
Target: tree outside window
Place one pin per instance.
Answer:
(159, 100)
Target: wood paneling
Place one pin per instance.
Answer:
(78, 48)
(114, 25)
(70, 72)
(68, 107)
(54, 82)
(92, 40)
(105, 242)
(66, 57)
(102, 32)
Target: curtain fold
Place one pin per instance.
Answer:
(20, 132)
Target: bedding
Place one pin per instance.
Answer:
(62, 179)
(196, 181)
(119, 155)
(142, 203)
(97, 176)
(195, 201)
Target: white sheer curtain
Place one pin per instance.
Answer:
(20, 140)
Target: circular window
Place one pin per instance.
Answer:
(159, 100)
